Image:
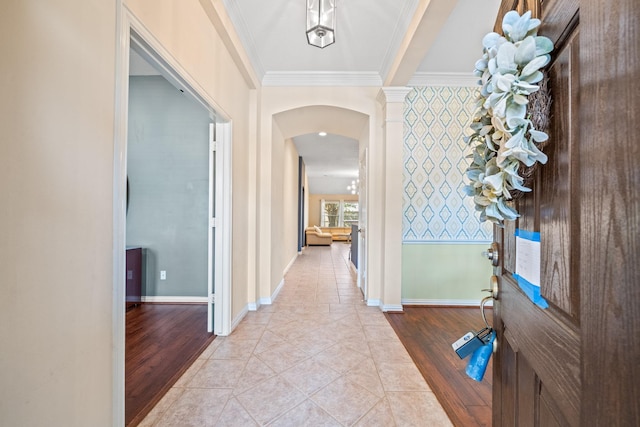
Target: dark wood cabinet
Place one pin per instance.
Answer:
(134, 277)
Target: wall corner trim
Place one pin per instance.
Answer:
(238, 318)
(392, 307)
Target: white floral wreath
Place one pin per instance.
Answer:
(503, 136)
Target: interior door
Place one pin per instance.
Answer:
(212, 238)
(537, 369)
(576, 362)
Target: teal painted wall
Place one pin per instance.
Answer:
(168, 170)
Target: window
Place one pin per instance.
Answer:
(340, 213)
(331, 214)
(350, 213)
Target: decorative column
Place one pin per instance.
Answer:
(392, 100)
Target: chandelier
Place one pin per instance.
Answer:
(353, 188)
(321, 22)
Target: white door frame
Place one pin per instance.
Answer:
(223, 219)
(131, 30)
(362, 225)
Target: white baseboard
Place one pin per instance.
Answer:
(175, 299)
(277, 291)
(235, 322)
(373, 303)
(449, 302)
(392, 307)
(286, 269)
(272, 298)
(253, 306)
(265, 301)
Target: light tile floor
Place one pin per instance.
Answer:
(317, 357)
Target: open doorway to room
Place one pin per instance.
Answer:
(167, 245)
(331, 168)
(173, 209)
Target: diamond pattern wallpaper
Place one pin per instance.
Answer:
(435, 209)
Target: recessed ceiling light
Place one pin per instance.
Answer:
(322, 133)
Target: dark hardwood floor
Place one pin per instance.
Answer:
(162, 341)
(427, 334)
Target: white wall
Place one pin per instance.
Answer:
(56, 180)
(56, 174)
(284, 208)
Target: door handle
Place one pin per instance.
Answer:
(493, 254)
(493, 283)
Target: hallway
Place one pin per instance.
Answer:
(318, 356)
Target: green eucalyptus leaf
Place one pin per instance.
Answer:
(538, 136)
(507, 210)
(492, 65)
(535, 65)
(500, 106)
(524, 87)
(517, 28)
(469, 190)
(490, 40)
(481, 64)
(493, 211)
(536, 155)
(526, 51)
(544, 45)
(515, 111)
(506, 59)
(520, 99)
(532, 78)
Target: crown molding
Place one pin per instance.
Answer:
(369, 79)
(321, 78)
(393, 94)
(398, 35)
(242, 30)
(421, 79)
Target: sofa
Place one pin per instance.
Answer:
(338, 233)
(315, 236)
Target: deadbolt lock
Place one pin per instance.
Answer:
(492, 254)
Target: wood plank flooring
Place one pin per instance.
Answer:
(162, 341)
(427, 334)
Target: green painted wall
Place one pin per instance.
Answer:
(446, 272)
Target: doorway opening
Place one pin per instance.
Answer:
(331, 143)
(172, 188)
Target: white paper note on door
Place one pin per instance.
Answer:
(528, 256)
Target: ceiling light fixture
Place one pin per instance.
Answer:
(322, 133)
(321, 22)
(353, 188)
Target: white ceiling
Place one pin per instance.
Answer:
(435, 37)
(378, 42)
(442, 36)
(331, 162)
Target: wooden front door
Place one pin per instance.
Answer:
(577, 362)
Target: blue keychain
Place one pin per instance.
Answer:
(480, 359)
